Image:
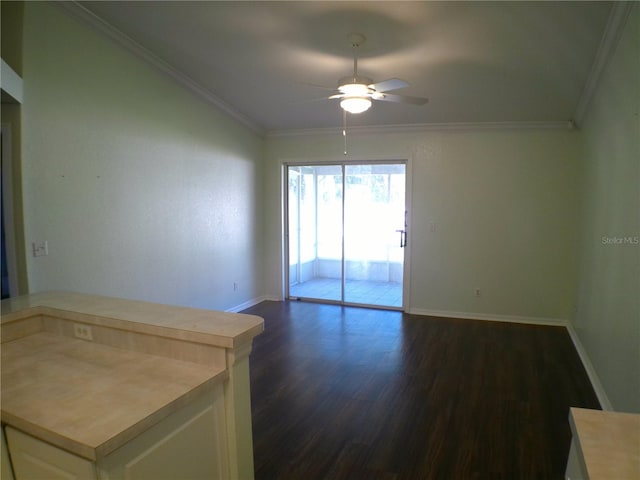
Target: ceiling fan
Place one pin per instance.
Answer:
(356, 93)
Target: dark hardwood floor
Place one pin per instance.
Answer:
(353, 393)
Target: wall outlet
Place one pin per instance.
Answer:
(477, 292)
(82, 331)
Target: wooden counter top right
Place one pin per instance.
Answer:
(609, 443)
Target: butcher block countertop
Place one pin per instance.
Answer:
(90, 398)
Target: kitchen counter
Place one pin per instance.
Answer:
(87, 374)
(67, 391)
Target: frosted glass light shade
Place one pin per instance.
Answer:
(354, 89)
(355, 104)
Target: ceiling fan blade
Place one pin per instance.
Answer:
(315, 85)
(337, 95)
(310, 100)
(389, 97)
(387, 85)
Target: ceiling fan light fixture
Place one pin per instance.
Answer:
(355, 104)
(354, 89)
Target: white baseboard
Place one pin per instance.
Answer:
(605, 403)
(251, 303)
(489, 317)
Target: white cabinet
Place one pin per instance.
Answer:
(188, 444)
(34, 459)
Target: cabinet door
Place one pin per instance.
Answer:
(34, 459)
(188, 444)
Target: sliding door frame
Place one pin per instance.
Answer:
(408, 215)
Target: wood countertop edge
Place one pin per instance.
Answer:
(143, 425)
(95, 453)
(576, 438)
(47, 436)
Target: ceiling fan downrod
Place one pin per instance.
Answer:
(357, 87)
(356, 40)
(355, 91)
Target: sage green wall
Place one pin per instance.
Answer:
(504, 204)
(11, 18)
(608, 317)
(141, 189)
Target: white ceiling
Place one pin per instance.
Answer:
(475, 61)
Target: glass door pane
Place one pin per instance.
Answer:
(315, 232)
(374, 226)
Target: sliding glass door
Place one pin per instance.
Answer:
(346, 226)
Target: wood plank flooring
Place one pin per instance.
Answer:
(352, 393)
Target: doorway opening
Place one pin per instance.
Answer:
(9, 269)
(346, 229)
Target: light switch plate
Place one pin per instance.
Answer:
(40, 249)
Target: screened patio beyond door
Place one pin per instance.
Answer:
(345, 229)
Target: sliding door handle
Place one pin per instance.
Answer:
(403, 238)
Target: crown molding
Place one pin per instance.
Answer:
(101, 26)
(11, 83)
(619, 13)
(613, 31)
(428, 127)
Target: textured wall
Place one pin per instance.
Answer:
(141, 189)
(608, 316)
(504, 205)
